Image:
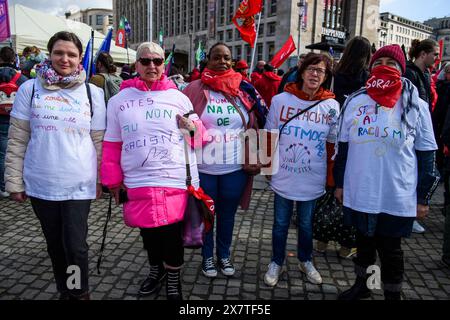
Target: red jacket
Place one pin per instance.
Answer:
(255, 76)
(267, 86)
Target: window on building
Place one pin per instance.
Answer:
(198, 15)
(237, 35)
(231, 10)
(271, 50)
(271, 28)
(259, 52)
(248, 53)
(220, 36)
(229, 35)
(272, 8)
(90, 20)
(222, 12)
(238, 52)
(205, 16)
(261, 30)
(98, 20)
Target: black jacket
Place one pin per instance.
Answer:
(346, 84)
(441, 116)
(422, 80)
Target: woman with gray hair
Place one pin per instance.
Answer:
(144, 156)
(384, 171)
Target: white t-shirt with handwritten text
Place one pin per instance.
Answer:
(153, 145)
(60, 160)
(381, 171)
(302, 149)
(223, 153)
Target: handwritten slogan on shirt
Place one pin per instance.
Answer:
(308, 133)
(60, 114)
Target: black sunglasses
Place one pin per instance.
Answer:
(156, 61)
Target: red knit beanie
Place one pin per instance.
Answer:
(392, 51)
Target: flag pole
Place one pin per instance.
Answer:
(88, 76)
(254, 47)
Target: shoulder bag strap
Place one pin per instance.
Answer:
(299, 114)
(234, 104)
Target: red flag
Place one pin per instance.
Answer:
(441, 51)
(244, 19)
(283, 53)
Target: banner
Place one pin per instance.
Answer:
(5, 31)
(284, 53)
(121, 39)
(244, 19)
(161, 39)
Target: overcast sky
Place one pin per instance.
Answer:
(418, 10)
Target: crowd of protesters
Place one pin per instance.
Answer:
(372, 127)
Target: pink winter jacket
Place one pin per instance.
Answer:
(147, 207)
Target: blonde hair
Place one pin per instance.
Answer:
(150, 46)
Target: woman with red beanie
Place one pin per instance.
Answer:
(384, 170)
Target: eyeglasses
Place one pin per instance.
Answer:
(156, 61)
(312, 70)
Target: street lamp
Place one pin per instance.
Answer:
(301, 11)
(191, 32)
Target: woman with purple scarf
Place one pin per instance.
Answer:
(54, 147)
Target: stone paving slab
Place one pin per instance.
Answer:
(25, 268)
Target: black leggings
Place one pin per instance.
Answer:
(164, 244)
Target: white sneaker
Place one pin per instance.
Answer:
(272, 275)
(311, 273)
(417, 228)
(4, 194)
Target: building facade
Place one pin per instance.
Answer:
(97, 18)
(398, 30)
(441, 29)
(187, 22)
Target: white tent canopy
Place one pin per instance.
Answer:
(34, 28)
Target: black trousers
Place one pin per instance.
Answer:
(164, 245)
(391, 257)
(65, 227)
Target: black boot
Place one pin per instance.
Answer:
(153, 281)
(391, 295)
(173, 287)
(358, 291)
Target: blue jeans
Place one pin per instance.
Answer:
(4, 126)
(226, 191)
(283, 213)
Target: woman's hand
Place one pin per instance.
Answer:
(422, 211)
(99, 192)
(19, 196)
(186, 124)
(115, 193)
(338, 194)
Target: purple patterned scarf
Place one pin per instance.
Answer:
(48, 75)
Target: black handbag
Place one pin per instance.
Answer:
(328, 223)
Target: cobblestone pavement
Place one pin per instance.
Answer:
(25, 269)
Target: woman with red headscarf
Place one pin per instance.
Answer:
(384, 171)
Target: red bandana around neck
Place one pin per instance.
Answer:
(227, 82)
(384, 86)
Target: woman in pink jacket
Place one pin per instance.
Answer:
(144, 155)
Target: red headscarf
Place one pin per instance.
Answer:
(384, 85)
(227, 81)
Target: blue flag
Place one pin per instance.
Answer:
(87, 63)
(104, 47)
(331, 51)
